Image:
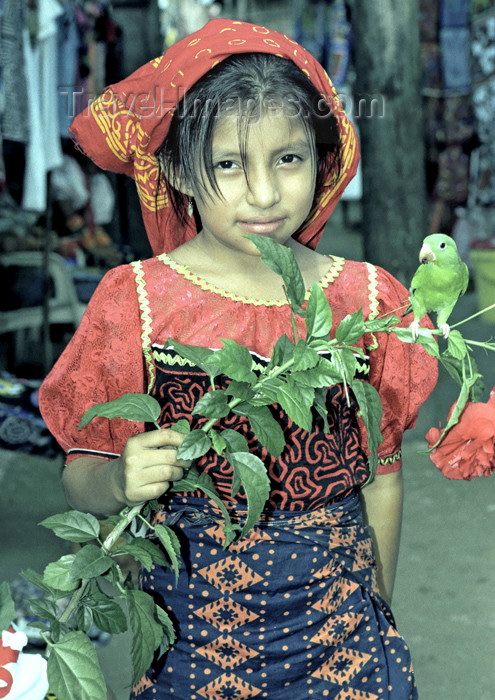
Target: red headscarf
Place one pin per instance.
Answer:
(122, 129)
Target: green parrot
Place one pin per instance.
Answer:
(438, 282)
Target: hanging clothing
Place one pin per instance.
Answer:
(14, 119)
(44, 151)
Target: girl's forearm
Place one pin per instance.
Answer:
(90, 486)
(382, 509)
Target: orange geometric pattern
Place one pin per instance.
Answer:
(336, 630)
(319, 629)
(254, 537)
(342, 666)
(230, 575)
(352, 694)
(227, 652)
(338, 592)
(341, 537)
(228, 687)
(226, 614)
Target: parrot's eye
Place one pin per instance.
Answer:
(442, 245)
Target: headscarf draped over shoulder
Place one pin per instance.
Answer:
(122, 129)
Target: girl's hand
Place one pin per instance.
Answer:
(145, 469)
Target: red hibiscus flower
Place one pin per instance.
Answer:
(468, 449)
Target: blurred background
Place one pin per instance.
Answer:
(418, 80)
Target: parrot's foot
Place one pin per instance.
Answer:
(414, 328)
(445, 328)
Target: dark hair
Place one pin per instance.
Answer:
(249, 83)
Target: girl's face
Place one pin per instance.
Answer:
(271, 194)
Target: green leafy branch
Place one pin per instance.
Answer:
(89, 587)
(457, 359)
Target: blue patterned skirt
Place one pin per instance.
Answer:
(290, 611)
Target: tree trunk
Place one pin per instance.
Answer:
(388, 110)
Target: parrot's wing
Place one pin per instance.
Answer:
(416, 293)
(459, 287)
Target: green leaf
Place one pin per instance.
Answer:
(457, 369)
(84, 618)
(195, 444)
(171, 544)
(304, 357)
(282, 352)
(217, 441)
(264, 426)
(133, 406)
(147, 632)
(236, 442)
(233, 360)
(296, 400)
(42, 626)
(144, 551)
(73, 526)
(57, 574)
(325, 374)
(181, 426)
(251, 471)
(320, 405)
(36, 579)
(108, 616)
(346, 363)
(90, 562)
(192, 481)
(73, 669)
(7, 607)
(318, 314)
(197, 355)
(370, 409)
(43, 608)
(351, 328)
(266, 393)
(239, 390)
(425, 338)
(281, 260)
(376, 325)
(168, 628)
(456, 345)
(213, 404)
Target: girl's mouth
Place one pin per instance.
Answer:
(261, 226)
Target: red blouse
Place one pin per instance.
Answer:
(143, 304)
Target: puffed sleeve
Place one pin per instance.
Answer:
(404, 375)
(102, 361)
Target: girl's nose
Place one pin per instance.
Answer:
(262, 188)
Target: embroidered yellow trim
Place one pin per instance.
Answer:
(170, 360)
(373, 299)
(144, 306)
(325, 281)
(391, 459)
(362, 368)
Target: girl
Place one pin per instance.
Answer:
(237, 130)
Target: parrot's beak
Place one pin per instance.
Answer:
(426, 254)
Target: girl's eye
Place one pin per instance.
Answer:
(290, 158)
(225, 165)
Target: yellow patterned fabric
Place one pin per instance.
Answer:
(123, 128)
